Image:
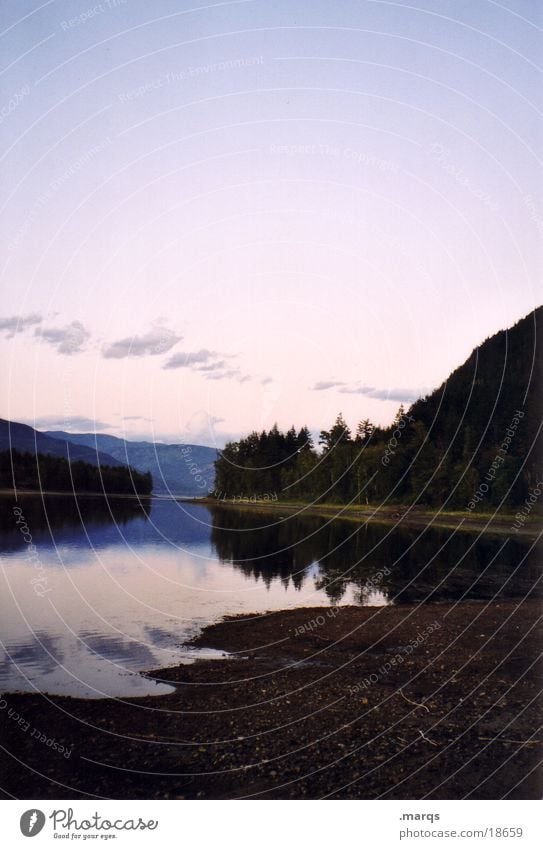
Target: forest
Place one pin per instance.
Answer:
(44, 473)
(472, 444)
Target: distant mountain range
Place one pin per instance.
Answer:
(177, 469)
(21, 437)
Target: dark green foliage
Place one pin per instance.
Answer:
(473, 444)
(45, 473)
(262, 463)
(473, 413)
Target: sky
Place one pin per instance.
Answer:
(217, 216)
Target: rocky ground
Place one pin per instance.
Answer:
(405, 702)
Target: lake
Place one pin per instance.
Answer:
(95, 591)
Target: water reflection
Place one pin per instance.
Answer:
(58, 519)
(405, 565)
(41, 651)
(128, 583)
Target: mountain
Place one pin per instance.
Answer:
(501, 376)
(177, 469)
(486, 419)
(473, 444)
(23, 438)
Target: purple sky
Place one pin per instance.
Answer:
(225, 215)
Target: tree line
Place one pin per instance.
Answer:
(43, 472)
(472, 444)
(400, 464)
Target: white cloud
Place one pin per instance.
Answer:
(70, 339)
(192, 359)
(229, 374)
(397, 394)
(158, 340)
(10, 325)
(407, 394)
(72, 424)
(209, 363)
(327, 384)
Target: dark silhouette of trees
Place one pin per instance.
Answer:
(473, 443)
(42, 472)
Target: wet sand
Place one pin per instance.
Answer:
(438, 701)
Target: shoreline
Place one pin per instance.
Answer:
(411, 701)
(16, 494)
(397, 516)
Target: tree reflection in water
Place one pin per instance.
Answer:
(405, 565)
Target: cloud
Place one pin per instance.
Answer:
(208, 364)
(191, 359)
(397, 394)
(158, 340)
(327, 384)
(199, 429)
(220, 364)
(136, 419)
(10, 325)
(360, 390)
(68, 423)
(70, 339)
(229, 374)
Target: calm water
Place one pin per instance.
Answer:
(114, 588)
